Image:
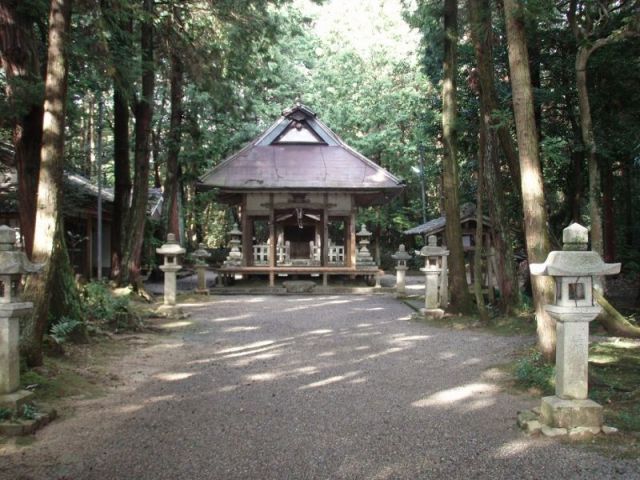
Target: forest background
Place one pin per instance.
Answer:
(166, 90)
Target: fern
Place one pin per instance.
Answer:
(60, 331)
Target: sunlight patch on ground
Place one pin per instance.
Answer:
(253, 353)
(248, 346)
(456, 394)
(178, 324)
(173, 376)
(330, 353)
(240, 329)
(388, 351)
(228, 388)
(319, 332)
(330, 380)
(230, 319)
(364, 325)
(513, 449)
(317, 305)
(408, 339)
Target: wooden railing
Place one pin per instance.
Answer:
(261, 254)
(336, 254)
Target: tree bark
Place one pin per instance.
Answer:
(460, 299)
(122, 174)
(172, 181)
(481, 33)
(120, 27)
(483, 151)
(49, 246)
(143, 115)
(533, 203)
(19, 56)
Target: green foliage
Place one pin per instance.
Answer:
(62, 331)
(5, 413)
(103, 306)
(29, 412)
(533, 372)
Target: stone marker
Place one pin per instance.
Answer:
(573, 269)
(171, 251)
(401, 256)
(201, 268)
(13, 264)
(435, 273)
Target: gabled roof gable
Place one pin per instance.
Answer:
(300, 152)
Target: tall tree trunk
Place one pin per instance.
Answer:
(19, 55)
(460, 299)
(609, 216)
(122, 174)
(586, 46)
(535, 216)
(172, 182)
(143, 116)
(481, 33)
(595, 191)
(53, 290)
(120, 27)
(483, 152)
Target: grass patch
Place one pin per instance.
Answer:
(614, 381)
(532, 372)
(82, 372)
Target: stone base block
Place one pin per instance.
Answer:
(14, 401)
(432, 312)
(560, 413)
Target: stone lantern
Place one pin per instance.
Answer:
(435, 281)
(363, 256)
(13, 265)
(234, 259)
(201, 267)
(171, 252)
(401, 256)
(573, 270)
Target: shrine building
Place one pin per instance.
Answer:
(297, 188)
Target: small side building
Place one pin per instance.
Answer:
(297, 188)
(468, 223)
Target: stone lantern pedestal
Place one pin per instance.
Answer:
(573, 269)
(201, 268)
(13, 264)
(401, 256)
(171, 251)
(435, 277)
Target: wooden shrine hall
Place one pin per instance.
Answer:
(298, 187)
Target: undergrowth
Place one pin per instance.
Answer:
(532, 371)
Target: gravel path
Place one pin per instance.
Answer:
(332, 387)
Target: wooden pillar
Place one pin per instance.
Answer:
(272, 242)
(247, 252)
(88, 264)
(324, 252)
(352, 239)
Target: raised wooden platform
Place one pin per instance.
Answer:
(370, 273)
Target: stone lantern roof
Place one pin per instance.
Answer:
(13, 261)
(574, 260)
(172, 247)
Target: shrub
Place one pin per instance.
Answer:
(102, 305)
